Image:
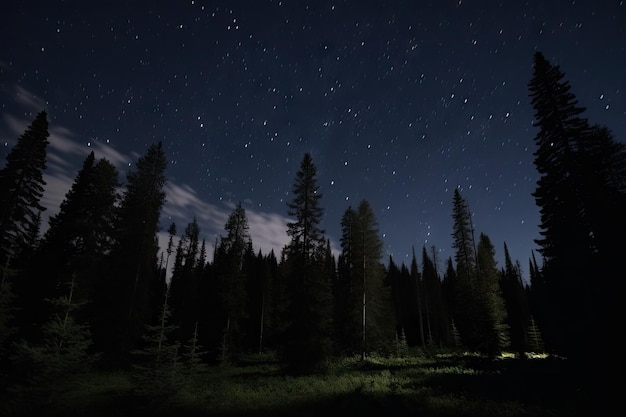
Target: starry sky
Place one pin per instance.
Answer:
(398, 102)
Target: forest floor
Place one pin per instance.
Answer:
(438, 385)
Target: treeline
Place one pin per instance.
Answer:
(94, 290)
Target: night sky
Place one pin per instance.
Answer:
(398, 102)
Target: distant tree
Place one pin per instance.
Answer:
(233, 258)
(21, 189)
(433, 302)
(347, 299)
(516, 302)
(306, 341)
(185, 281)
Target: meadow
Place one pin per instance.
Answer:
(417, 385)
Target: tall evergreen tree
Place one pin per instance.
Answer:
(378, 330)
(307, 342)
(21, 189)
(233, 259)
(346, 297)
(516, 302)
(185, 282)
(80, 235)
(465, 311)
(434, 307)
(130, 293)
(368, 309)
(493, 329)
(581, 198)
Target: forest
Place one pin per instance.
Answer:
(95, 294)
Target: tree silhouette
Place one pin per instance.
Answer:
(306, 340)
(21, 189)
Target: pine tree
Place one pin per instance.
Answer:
(78, 238)
(466, 306)
(434, 306)
(56, 364)
(21, 189)
(185, 281)
(516, 302)
(347, 299)
(581, 198)
(306, 341)
(494, 331)
(232, 264)
(157, 369)
(130, 292)
(378, 330)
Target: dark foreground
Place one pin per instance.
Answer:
(434, 386)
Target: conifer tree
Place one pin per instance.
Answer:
(80, 235)
(346, 297)
(307, 342)
(46, 369)
(433, 302)
(233, 257)
(185, 281)
(581, 198)
(130, 292)
(157, 368)
(377, 321)
(493, 331)
(21, 189)
(516, 302)
(465, 311)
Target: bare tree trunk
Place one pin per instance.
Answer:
(261, 329)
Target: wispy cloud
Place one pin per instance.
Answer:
(267, 230)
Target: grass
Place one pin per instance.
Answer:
(441, 385)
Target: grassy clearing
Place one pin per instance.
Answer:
(441, 385)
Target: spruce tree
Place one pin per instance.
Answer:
(516, 302)
(433, 302)
(21, 189)
(157, 367)
(581, 198)
(185, 281)
(346, 297)
(306, 341)
(466, 312)
(78, 239)
(378, 330)
(493, 330)
(233, 256)
(45, 370)
(130, 292)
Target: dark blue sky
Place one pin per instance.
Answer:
(399, 102)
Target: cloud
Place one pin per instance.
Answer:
(267, 230)
(29, 100)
